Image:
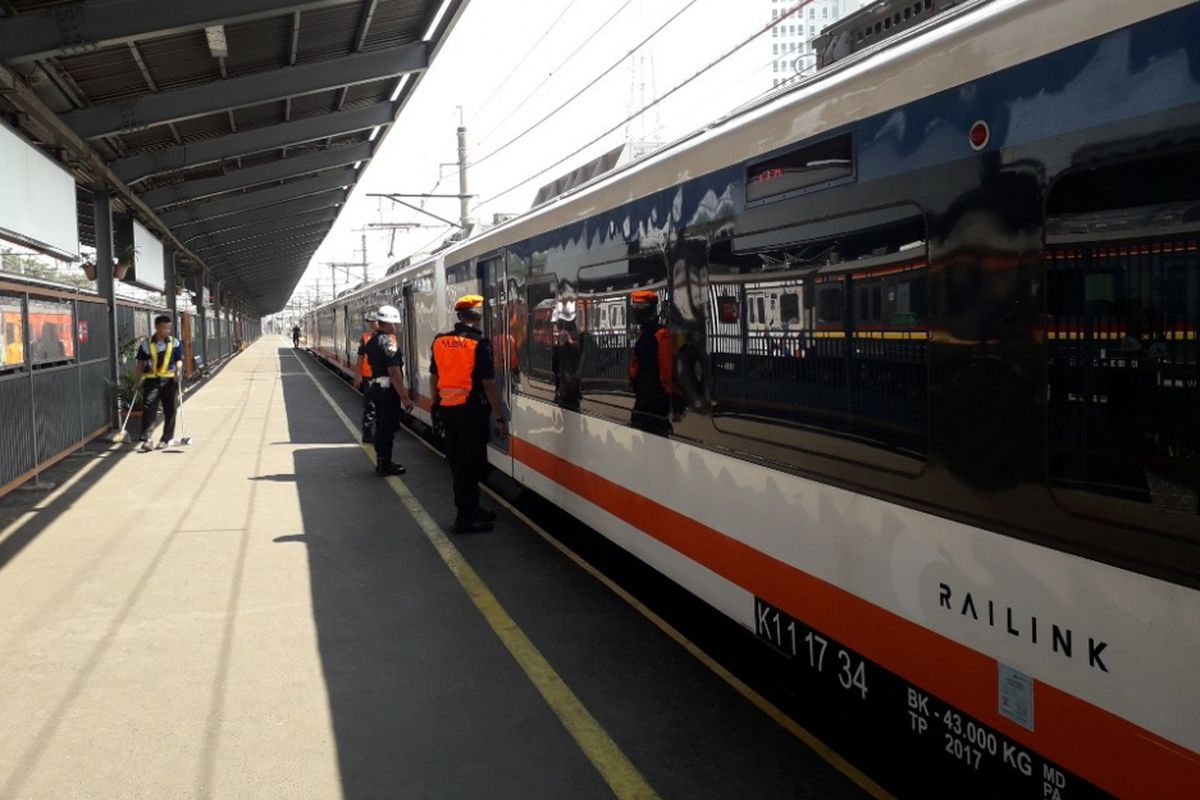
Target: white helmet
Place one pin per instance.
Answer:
(564, 312)
(388, 314)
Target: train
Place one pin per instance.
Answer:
(934, 317)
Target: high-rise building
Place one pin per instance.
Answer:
(791, 41)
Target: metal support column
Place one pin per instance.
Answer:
(169, 284)
(106, 285)
(202, 314)
(464, 198)
(217, 317)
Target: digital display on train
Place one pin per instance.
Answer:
(829, 160)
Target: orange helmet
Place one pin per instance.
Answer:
(470, 303)
(644, 297)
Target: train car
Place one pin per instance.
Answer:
(933, 316)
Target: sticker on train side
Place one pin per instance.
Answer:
(906, 737)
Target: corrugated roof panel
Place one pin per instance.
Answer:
(328, 32)
(368, 93)
(206, 127)
(149, 139)
(259, 45)
(179, 61)
(396, 23)
(307, 105)
(106, 75)
(263, 114)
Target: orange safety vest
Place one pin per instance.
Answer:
(364, 365)
(454, 356)
(666, 361)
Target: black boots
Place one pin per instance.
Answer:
(472, 525)
(478, 521)
(385, 468)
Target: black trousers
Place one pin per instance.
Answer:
(155, 391)
(368, 414)
(466, 450)
(387, 421)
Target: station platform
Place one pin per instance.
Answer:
(257, 616)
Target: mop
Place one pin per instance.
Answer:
(184, 440)
(120, 437)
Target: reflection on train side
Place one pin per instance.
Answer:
(827, 336)
(1121, 338)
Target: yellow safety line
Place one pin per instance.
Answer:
(617, 771)
(824, 751)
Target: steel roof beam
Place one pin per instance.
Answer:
(17, 91)
(213, 97)
(269, 271)
(294, 221)
(299, 229)
(283, 244)
(84, 27)
(194, 231)
(258, 175)
(273, 137)
(246, 262)
(299, 250)
(325, 182)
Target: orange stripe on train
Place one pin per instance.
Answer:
(1099, 746)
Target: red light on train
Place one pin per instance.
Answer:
(980, 135)
(768, 175)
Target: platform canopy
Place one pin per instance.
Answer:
(233, 129)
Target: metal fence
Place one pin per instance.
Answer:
(53, 400)
(55, 391)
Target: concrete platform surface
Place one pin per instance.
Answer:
(257, 616)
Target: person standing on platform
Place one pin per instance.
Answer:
(463, 385)
(651, 368)
(362, 380)
(295, 336)
(387, 384)
(157, 374)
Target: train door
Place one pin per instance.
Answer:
(412, 363)
(493, 278)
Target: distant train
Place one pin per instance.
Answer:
(934, 318)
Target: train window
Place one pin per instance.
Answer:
(842, 367)
(812, 165)
(541, 299)
(459, 273)
(51, 331)
(789, 309)
(12, 332)
(1123, 315)
(602, 335)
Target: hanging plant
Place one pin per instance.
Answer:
(125, 262)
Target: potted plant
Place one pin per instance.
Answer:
(89, 269)
(123, 264)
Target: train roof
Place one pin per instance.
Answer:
(959, 46)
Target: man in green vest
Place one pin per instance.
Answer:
(158, 373)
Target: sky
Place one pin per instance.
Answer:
(506, 66)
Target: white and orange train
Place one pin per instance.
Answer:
(934, 314)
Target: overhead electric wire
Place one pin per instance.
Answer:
(576, 51)
(521, 63)
(774, 23)
(590, 84)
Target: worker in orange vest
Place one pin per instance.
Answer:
(362, 379)
(652, 368)
(465, 396)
